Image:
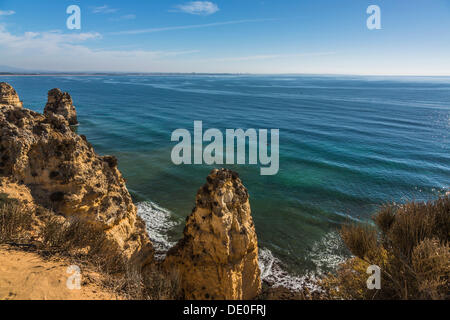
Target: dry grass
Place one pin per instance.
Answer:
(161, 285)
(85, 244)
(385, 217)
(154, 284)
(129, 284)
(410, 245)
(82, 240)
(360, 239)
(431, 263)
(15, 221)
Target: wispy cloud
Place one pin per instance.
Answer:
(104, 9)
(124, 17)
(273, 56)
(33, 40)
(193, 26)
(58, 51)
(7, 12)
(203, 8)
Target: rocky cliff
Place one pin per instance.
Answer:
(218, 255)
(44, 163)
(9, 96)
(42, 157)
(60, 103)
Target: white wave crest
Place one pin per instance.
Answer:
(327, 253)
(158, 222)
(273, 273)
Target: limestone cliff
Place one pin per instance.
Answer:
(9, 96)
(43, 163)
(218, 255)
(61, 103)
(62, 172)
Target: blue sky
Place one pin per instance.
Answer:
(248, 36)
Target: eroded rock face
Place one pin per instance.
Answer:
(64, 174)
(60, 103)
(9, 96)
(218, 255)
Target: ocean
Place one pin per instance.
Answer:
(348, 144)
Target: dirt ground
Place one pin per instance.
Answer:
(28, 276)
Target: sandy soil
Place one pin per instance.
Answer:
(27, 276)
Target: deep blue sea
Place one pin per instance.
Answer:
(347, 145)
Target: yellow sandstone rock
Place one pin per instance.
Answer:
(60, 103)
(44, 163)
(9, 96)
(218, 255)
(64, 174)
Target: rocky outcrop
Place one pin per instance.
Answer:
(45, 165)
(9, 96)
(64, 174)
(218, 255)
(60, 103)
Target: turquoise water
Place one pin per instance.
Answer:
(347, 144)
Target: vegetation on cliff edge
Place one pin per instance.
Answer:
(410, 244)
(85, 245)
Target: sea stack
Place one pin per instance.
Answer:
(61, 103)
(218, 256)
(9, 96)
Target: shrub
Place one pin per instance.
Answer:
(431, 263)
(155, 284)
(162, 285)
(360, 239)
(85, 243)
(78, 237)
(15, 220)
(410, 245)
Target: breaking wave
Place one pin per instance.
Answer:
(325, 253)
(274, 274)
(159, 221)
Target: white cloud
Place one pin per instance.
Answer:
(73, 52)
(125, 17)
(57, 51)
(273, 56)
(104, 9)
(204, 8)
(49, 39)
(7, 12)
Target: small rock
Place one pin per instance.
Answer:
(9, 96)
(61, 103)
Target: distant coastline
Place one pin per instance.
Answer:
(162, 74)
(81, 74)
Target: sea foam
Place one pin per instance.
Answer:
(159, 222)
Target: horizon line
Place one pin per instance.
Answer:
(88, 73)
